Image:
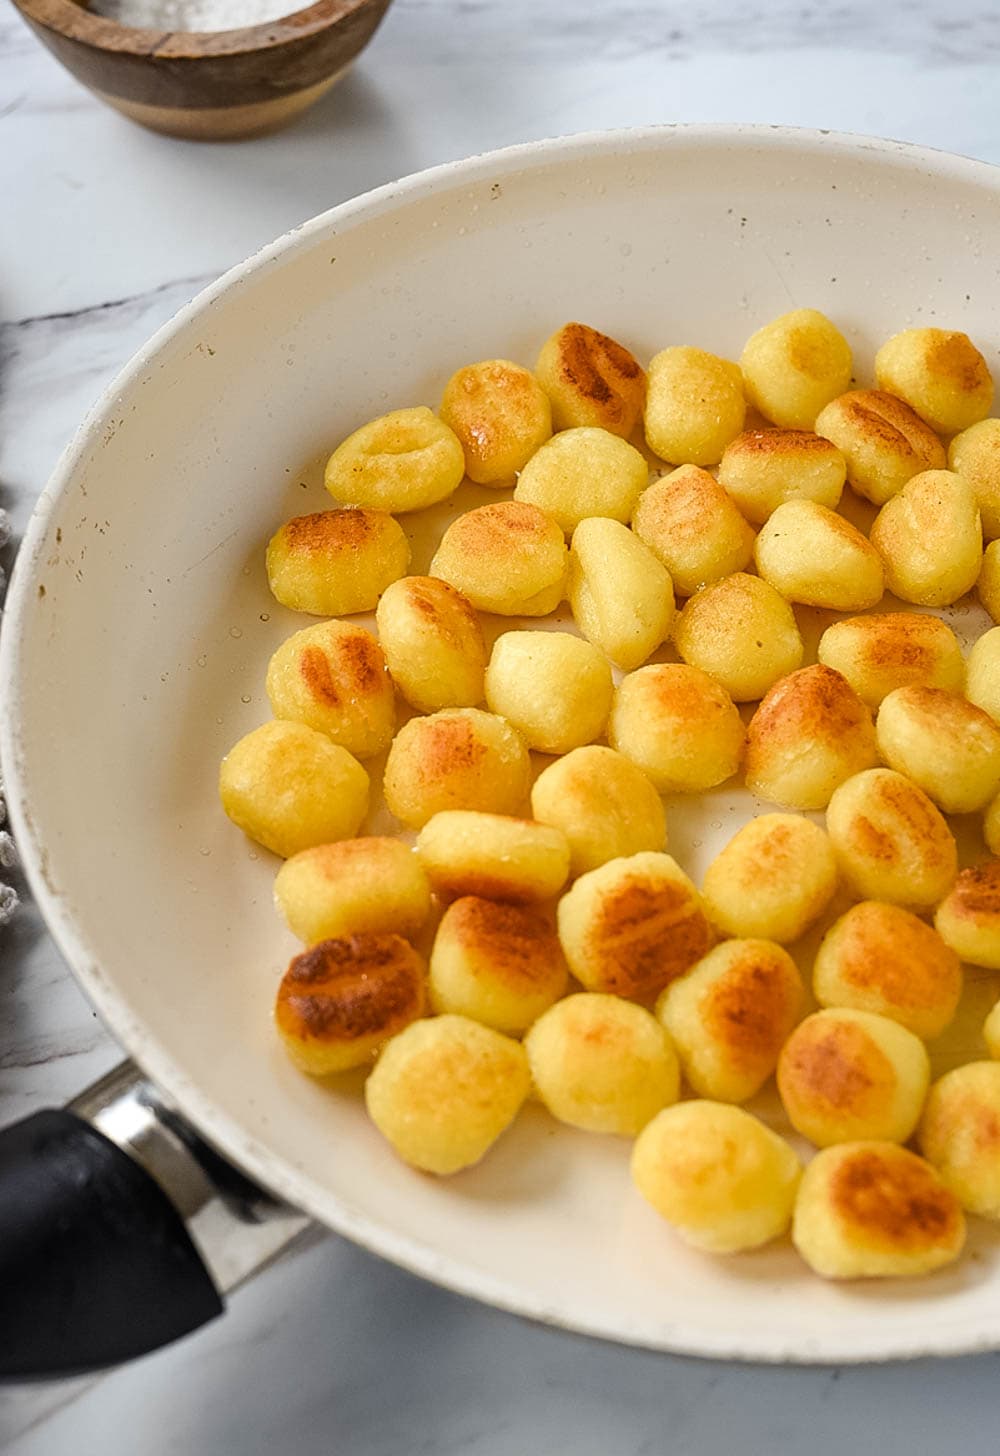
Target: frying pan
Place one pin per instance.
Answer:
(138, 628)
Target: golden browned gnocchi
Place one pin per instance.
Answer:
(762, 469)
(718, 1175)
(591, 379)
(400, 462)
(890, 650)
(773, 879)
(354, 887)
(968, 919)
(509, 558)
(334, 563)
(497, 963)
(678, 725)
(811, 555)
(554, 688)
(975, 456)
(930, 539)
(991, 1032)
(988, 581)
(603, 803)
(944, 743)
(730, 1015)
(959, 1135)
(333, 677)
(500, 414)
(444, 1090)
(633, 925)
(940, 373)
(433, 644)
(890, 840)
(883, 959)
(883, 441)
(690, 524)
(340, 1000)
(694, 405)
(794, 366)
(982, 678)
(875, 1210)
(602, 1064)
(621, 596)
(742, 633)
(810, 733)
(461, 758)
(493, 856)
(584, 472)
(845, 1075)
(288, 787)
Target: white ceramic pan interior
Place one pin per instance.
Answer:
(140, 625)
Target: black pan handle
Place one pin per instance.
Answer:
(120, 1230)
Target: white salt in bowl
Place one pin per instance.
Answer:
(210, 85)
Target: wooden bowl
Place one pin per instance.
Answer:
(208, 85)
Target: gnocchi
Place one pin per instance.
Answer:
(742, 633)
(402, 461)
(773, 879)
(763, 469)
(982, 680)
(492, 856)
(334, 563)
(333, 677)
(691, 525)
(891, 842)
(460, 758)
(975, 456)
(929, 537)
(944, 743)
(694, 405)
(581, 472)
(554, 688)
(968, 918)
(354, 887)
(811, 555)
(497, 963)
(591, 380)
(433, 644)
(883, 441)
(940, 373)
(606, 806)
(509, 558)
(500, 414)
(794, 366)
(678, 725)
(621, 596)
(890, 650)
(959, 1135)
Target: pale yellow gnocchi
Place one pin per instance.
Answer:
(975, 456)
(982, 673)
(717, 1174)
(500, 414)
(433, 644)
(856, 1214)
(493, 856)
(691, 525)
(632, 926)
(509, 558)
(592, 380)
(621, 596)
(810, 733)
(940, 373)
(883, 959)
(763, 469)
(553, 687)
(741, 632)
(891, 842)
(730, 1015)
(694, 405)
(289, 788)
(795, 365)
(883, 441)
(959, 1135)
(356, 886)
(333, 677)
(603, 803)
(444, 1090)
(944, 743)
(988, 581)
(772, 880)
(402, 461)
(678, 725)
(847, 1075)
(333, 563)
(930, 539)
(968, 918)
(811, 555)
(581, 472)
(601, 1064)
(497, 963)
(890, 650)
(460, 758)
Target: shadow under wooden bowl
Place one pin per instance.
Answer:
(208, 86)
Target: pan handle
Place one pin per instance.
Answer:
(120, 1230)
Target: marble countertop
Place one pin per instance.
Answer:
(104, 231)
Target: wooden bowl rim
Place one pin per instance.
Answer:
(71, 19)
